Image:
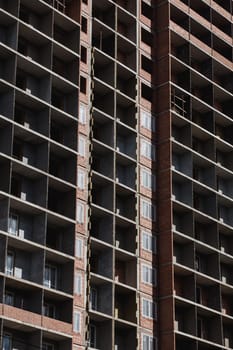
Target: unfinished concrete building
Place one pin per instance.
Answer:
(116, 153)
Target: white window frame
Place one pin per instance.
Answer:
(150, 274)
(47, 346)
(82, 113)
(147, 179)
(80, 212)
(49, 283)
(78, 283)
(77, 322)
(9, 345)
(82, 146)
(79, 247)
(9, 298)
(148, 241)
(148, 308)
(81, 179)
(9, 270)
(13, 217)
(147, 120)
(148, 210)
(150, 342)
(49, 310)
(147, 149)
(93, 298)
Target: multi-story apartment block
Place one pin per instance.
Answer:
(116, 174)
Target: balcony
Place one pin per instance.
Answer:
(125, 269)
(100, 335)
(29, 189)
(125, 336)
(25, 225)
(125, 305)
(101, 225)
(126, 141)
(102, 192)
(206, 262)
(21, 264)
(209, 327)
(31, 153)
(125, 236)
(33, 85)
(184, 286)
(58, 275)
(100, 296)
(206, 233)
(35, 119)
(125, 205)
(58, 201)
(101, 259)
(184, 318)
(208, 296)
(183, 254)
(226, 276)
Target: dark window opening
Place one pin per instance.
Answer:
(83, 54)
(83, 85)
(84, 24)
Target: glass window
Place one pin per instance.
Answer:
(147, 149)
(80, 213)
(77, 321)
(147, 210)
(147, 179)
(148, 308)
(10, 264)
(6, 342)
(147, 120)
(9, 298)
(49, 310)
(47, 346)
(81, 179)
(148, 274)
(93, 299)
(13, 224)
(81, 146)
(78, 247)
(148, 241)
(82, 114)
(78, 284)
(50, 276)
(147, 342)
